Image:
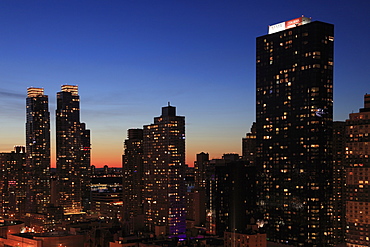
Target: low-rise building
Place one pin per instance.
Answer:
(50, 239)
(233, 239)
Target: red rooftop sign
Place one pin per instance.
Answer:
(289, 24)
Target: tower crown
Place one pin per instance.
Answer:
(34, 92)
(168, 111)
(367, 101)
(70, 88)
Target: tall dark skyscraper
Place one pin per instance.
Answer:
(164, 166)
(294, 118)
(133, 182)
(38, 150)
(73, 152)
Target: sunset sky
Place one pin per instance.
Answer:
(129, 58)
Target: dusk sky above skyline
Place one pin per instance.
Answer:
(129, 58)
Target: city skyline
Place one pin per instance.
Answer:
(129, 59)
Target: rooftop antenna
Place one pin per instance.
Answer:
(169, 103)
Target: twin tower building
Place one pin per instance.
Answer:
(71, 191)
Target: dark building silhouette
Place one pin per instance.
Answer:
(195, 208)
(234, 199)
(249, 145)
(357, 162)
(189, 177)
(294, 118)
(73, 152)
(339, 181)
(38, 150)
(133, 182)
(14, 184)
(93, 170)
(198, 198)
(200, 170)
(106, 170)
(211, 194)
(205, 184)
(164, 168)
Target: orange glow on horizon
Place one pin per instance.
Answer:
(111, 155)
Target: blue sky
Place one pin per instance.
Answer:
(129, 58)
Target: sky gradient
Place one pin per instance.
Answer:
(129, 58)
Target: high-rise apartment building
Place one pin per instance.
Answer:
(14, 184)
(357, 162)
(339, 182)
(73, 152)
(164, 167)
(38, 150)
(201, 170)
(294, 117)
(234, 198)
(198, 198)
(133, 178)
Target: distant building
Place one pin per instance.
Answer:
(189, 178)
(107, 204)
(234, 197)
(106, 170)
(196, 196)
(201, 166)
(73, 152)
(249, 146)
(106, 199)
(339, 181)
(133, 177)
(38, 150)
(106, 183)
(357, 163)
(294, 122)
(252, 239)
(205, 184)
(195, 208)
(14, 184)
(164, 168)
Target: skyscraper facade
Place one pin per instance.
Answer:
(14, 184)
(249, 145)
(339, 182)
(294, 113)
(357, 162)
(200, 194)
(200, 169)
(133, 173)
(235, 196)
(164, 167)
(73, 152)
(38, 150)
